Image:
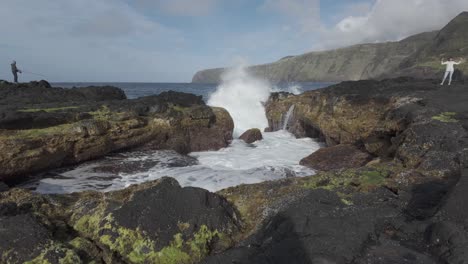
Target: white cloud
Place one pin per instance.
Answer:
(390, 20)
(181, 7)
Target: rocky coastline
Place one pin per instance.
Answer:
(396, 194)
(402, 206)
(43, 127)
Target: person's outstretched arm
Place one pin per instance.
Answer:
(443, 62)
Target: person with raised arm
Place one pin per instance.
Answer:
(449, 69)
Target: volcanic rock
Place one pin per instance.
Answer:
(336, 157)
(155, 222)
(251, 135)
(43, 128)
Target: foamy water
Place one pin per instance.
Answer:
(275, 157)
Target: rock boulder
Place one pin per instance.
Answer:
(336, 157)
(251, 135)
(155, 222)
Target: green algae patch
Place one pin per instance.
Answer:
(39, 133)
(89, 224)
(136, 247)
(103, 113)
(446, 117)
(48, 110)
(363, 179)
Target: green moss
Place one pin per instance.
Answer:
(361, 179)
(372, 178)
(89, 224)
(136, 247)
(446, 117)
(80, 244)
(38, 260)
(346, 201)
(200, 240)
(104, 113)
(178, 108)
(70, 258)
(48, 110)
(36, 133)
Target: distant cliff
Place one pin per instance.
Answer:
(416, 56)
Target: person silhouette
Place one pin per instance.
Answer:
(15, 71)
(449, 69)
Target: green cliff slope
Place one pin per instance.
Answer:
(417, 56)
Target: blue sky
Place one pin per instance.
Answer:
(169, 40)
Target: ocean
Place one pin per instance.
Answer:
(135, 90)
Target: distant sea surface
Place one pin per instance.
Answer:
(135, 90)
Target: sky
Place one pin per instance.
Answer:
(169, 40)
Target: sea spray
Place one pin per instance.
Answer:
(288, 117)
(242, 95)
(294, 88)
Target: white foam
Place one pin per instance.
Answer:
(242, 95)
(275, 157)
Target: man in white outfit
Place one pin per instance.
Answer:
(450, 69)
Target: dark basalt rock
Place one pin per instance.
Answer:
(192, 207)
(155, 222)
(427, 198)
(3, 187)
(251, 135)
(448, 242)
(23, 238)
(318, 228)
(388, 251)
(181, 99)
(337, 157)
(42, 93)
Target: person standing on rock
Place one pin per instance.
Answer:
(450, 69)
(15, 71)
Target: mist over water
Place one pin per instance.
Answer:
(242, 95)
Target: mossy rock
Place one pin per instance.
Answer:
(129, 223)
(446, 117)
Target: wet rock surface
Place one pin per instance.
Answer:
(251, 135)
(3, 187)
(336, 157)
